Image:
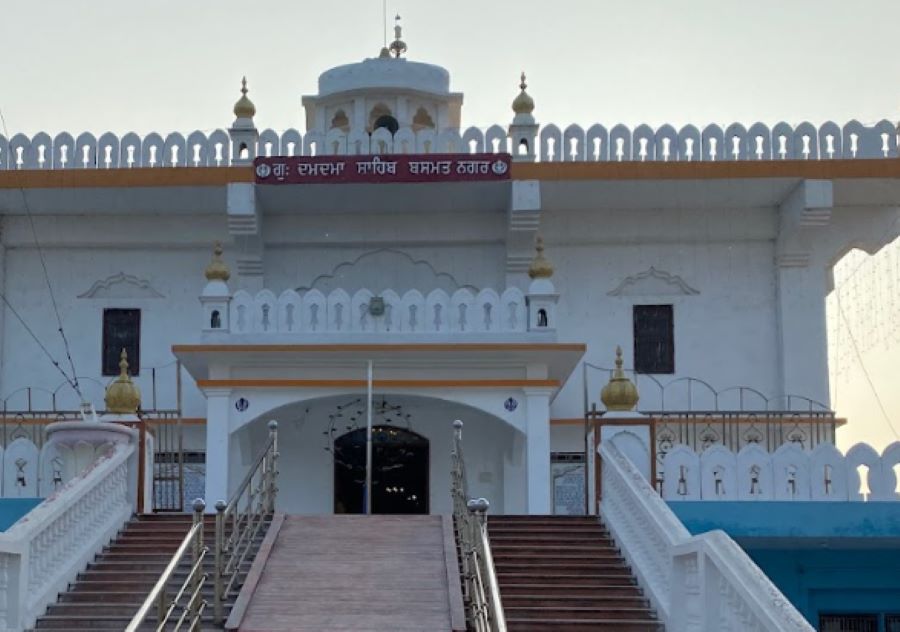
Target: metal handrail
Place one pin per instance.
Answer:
(244, 517)
(192, 610)
(481, 590)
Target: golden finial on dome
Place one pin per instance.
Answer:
(123, 396)
(398, 46)
(620, 394)
(540, 267)
(244, 107)
(217, 268)
(523, 104)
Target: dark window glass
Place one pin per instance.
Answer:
(121, 330)
(848, 623)
(654, 339)
(892, 623)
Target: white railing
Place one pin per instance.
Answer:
(339, 312)
(596, 143)
(713, 583)
(788, 473)
(43, 552)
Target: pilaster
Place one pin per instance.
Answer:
(522, 225)
(537, 450)
(218, 443)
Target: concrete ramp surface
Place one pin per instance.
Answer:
(359, 573)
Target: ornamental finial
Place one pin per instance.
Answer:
(244, 107)
(620, 394)
(398, 46)
(217, 270)
(540, 267)
(523, 104)
(123, 397)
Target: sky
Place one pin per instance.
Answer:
(176, 65)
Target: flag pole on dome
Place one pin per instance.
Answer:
(368, 491)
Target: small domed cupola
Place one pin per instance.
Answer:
(523, 103)
(620, 394)
(244, 107)
(542, 297)
(540, 267)
(123, 396)
(217, 270)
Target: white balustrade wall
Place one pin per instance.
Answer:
(696, 583)
(571, 144)
(42, 553)
(339, 312)
(788, 473)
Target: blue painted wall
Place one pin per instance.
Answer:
(11, 509)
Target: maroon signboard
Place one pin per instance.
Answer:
(384, 168)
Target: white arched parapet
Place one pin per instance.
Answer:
(312, 144)
(437, 311)
(242, 312)
(665, 144)
(551, 144)
(289, 315)
(335, 143)
(718, 474)
(887, 133)
(790, 469)
(20, 469)
(573, 147)
(486, 313)
(736, 145)
(495, 140)
(85, 151)
(412, 312)
(108, 152)
(860, 141)
(392, 320)
(754, 474)
(681, 474)
(197, 149)
(218, 149)
(382, 141)
(759, 142)
(361, 320)
(690, 144)
(827, 473)
(783, 142)
(174, 152)
(426, 141)
(462, 311)
(512, 312)
(42, 146)
(314, 315)
(4, 153)
(358, 142)
(449, 142)
(268, 144)
(291, 143)
(130, 151)
(596, 142)
(831, 141)
(405, 141)
(862, 454)
(473, 140)
(57, 467)
(890, 459)
(806, 142)
(713, 144)
(340, 317)
(152, 151)
(619, 143)
(643, 143)
(265, 307)
(20, 152)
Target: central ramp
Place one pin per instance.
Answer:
(360, 573)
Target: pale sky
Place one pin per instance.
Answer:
(175, 65)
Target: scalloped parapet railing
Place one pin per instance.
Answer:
(596, 143)
(438, 312)
(696, 583)
(43, 552)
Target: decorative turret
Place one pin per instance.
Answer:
(542, 297)
(620, 394)
(243, 132)
(523, 129)
(216, 297)
(123, 396)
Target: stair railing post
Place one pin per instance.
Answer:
(272, 471)
(199, 507)
(219, 577)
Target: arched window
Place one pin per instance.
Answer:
(422, 120)
(340, 121)
(215, 320)
(542, 318)
(381, 116)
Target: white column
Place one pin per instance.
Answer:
(537, 449)
(218, 439)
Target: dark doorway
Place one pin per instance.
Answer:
(399, 471)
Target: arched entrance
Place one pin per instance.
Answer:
(400, 462)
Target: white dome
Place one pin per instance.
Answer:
(385, 73)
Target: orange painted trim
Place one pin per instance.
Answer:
(567, 422)
(110, 178)
(253, 383)
(358, 348)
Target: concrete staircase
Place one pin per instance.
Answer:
(112, 588)
(565, 573)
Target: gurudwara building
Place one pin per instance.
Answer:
(629, 323)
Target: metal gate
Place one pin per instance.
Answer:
(848, 623)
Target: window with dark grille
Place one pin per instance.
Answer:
(121, 330)
(848, 623)
(654, 339)
(892, 623)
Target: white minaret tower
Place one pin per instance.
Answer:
(243, 132)
(216, 297)
(523, 129)
(542, 297)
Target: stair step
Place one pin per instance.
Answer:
(581, 589)
(544, 624)
(567, 577)
(579, 612)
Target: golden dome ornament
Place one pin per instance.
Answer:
(540, 267)
(523, 104)
(217, 270)
(244, 107)
(123, 397)
(620, 394)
